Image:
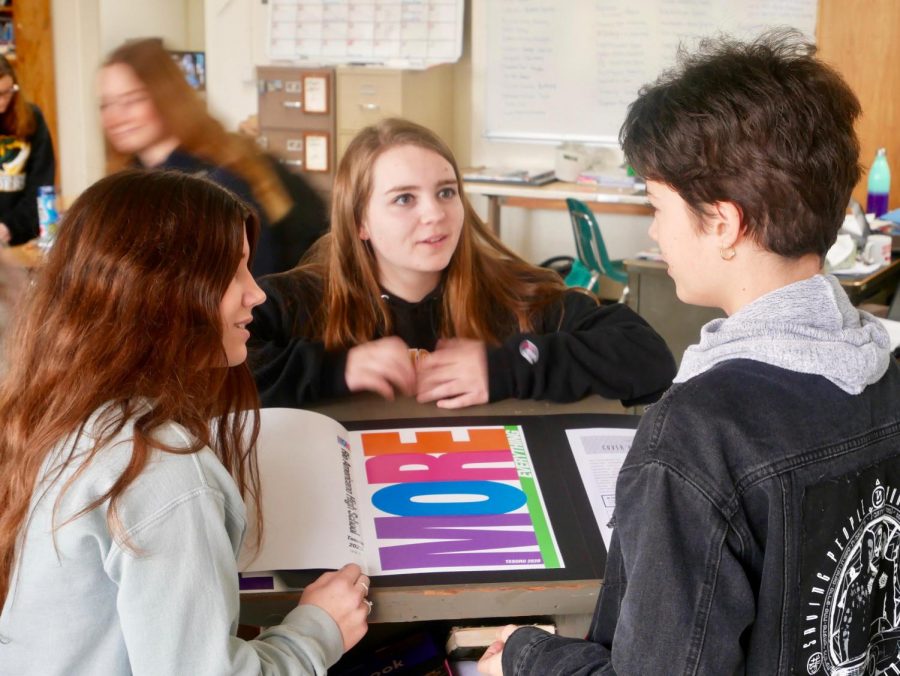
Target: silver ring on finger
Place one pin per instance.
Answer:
(370, 605)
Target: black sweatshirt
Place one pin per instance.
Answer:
(18, 207)
(578, 348)
(283, 243)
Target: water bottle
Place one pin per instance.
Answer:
(48, 215)
(879, 184)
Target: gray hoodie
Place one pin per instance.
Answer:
(808, 327)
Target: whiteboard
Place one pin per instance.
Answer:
(567, 70)
(393, 33)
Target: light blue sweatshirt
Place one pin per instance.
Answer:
(91, 606)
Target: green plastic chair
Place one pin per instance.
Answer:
(593, 261)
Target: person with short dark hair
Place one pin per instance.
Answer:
(757, 518)
(152, 118)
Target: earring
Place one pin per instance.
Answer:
(727, 253)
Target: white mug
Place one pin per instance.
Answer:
(571, 160)
(877, 250)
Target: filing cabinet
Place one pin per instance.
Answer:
(366, 95)
(285, 144)
(297, 121)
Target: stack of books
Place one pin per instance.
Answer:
(514, 176)
(466, 645)
(607, 179)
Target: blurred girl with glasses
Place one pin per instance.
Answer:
(153, 119)
(26, 160)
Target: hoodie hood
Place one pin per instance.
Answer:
(807, 327)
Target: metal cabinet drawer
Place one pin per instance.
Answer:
(282, 100)
(288, 147)
(285, 144)
(364, 97)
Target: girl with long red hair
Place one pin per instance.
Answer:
(128, 446)
(409, 265)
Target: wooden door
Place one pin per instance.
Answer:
(859, 38)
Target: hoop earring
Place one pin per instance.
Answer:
(727, 253)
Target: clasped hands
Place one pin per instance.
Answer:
(454, 375)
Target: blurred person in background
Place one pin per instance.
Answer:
(152, 118)
(26, 160)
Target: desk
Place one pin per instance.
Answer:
(553, 196)
(879, 283)
(572, 600)
(369, 406)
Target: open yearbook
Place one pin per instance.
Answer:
(426, 496)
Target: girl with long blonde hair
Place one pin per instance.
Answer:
(128, 446)
(409, 265)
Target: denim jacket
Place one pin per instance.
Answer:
(757, 531)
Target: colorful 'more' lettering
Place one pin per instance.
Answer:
(457, 498)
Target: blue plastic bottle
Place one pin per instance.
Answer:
(879, 184)
(48, 216)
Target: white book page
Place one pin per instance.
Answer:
(309, 503)
(599, 454)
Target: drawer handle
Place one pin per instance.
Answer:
(369, 106)
(293, 163)
(292, 104)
